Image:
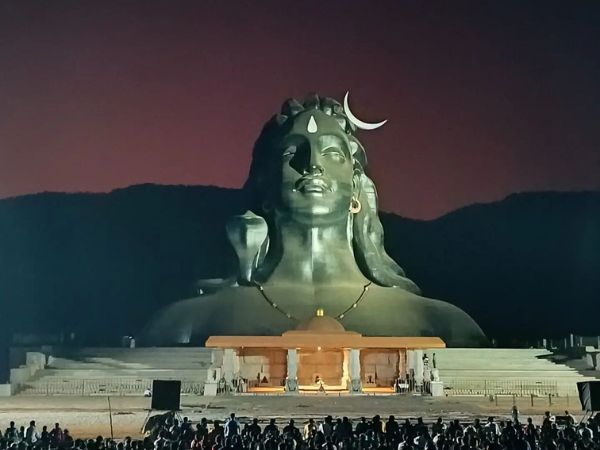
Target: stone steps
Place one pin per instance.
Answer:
(94, 373)
(506, 371)
(122, 371)
(63, 364)
(126, 371)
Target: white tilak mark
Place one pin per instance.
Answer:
(312, 125)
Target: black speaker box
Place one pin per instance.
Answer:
(166, 395)
(589, 395)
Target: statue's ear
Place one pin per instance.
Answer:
(356, 183)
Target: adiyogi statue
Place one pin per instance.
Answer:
(311, 240)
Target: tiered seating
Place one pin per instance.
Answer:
(489, 371)
(120, 371)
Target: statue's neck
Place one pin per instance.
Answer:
(317, 254)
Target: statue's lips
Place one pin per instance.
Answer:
(312, 185)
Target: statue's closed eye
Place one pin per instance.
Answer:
(334, 153)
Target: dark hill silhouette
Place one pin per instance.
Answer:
(524, 267)
(100, 264)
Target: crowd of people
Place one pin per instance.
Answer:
(174, 433)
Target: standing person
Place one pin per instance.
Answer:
(11, 434)
(31, 434)
(547, 421)
(514, 413)
(232, 426)
(67, 439)
(310, 429)
(175, 431)
(186, 424)
(202, 428)
(455, 429)
(44, 437)
(426, 369)
(217, 431)
(361, 427)
(570, 418)
(439, 427)
(254, 429)
(56, 436)
(531, 433)
(327, 427)
(346, 428)
(420, 427)
(271, 429)
(290, 430)
(491, 428)
(392, 431)
(407, 429)
(377, 425)
(475, 430)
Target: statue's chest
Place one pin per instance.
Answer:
(301, 302)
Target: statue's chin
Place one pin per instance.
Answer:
(320, 220)
(314, 213)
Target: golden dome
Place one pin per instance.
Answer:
(321, 324)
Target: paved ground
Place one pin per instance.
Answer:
(89, 416)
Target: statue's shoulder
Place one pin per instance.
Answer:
(225, 294)
(398, 296)
(405, 310)
(459, 327)
(210, 313)
(404, 298)
(235, 296)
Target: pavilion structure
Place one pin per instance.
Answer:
(319, 355)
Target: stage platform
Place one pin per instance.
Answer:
(316, 390)
(125, 371)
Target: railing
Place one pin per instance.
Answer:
(192, 387)
(128, 386)
(113, 386)
(500, 387)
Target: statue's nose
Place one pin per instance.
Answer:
(315, 165)
(308, 160)
(314, 169)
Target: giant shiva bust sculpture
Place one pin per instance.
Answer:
(311, 239)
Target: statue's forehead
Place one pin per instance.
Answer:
(315, 122)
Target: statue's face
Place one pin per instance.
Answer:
(316, 170)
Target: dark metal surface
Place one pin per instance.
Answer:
(305, 186)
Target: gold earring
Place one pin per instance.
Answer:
(355, 206)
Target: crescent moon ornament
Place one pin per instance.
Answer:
(356, 121)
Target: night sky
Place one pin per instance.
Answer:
(483, 98)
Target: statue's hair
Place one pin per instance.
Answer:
(367, 229)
